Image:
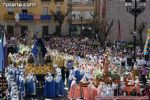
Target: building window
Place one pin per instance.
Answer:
(45, 30)
(24, 10)
(24, 29)
(76, 15)
(76, 1)
(45, 11)
(45, 0)
(10, 30)
(10, 10)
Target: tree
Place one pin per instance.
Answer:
(101, 29)
(140, 31)
(59, 17)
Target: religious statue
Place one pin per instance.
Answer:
(39, 51)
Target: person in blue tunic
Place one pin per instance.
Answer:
(30, 85)
(81, 73)
(60, 91)
(49, 86)
(22, 86)
(71, 76)
(87, 74)
(77, 74)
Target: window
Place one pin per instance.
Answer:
(45, 11)
(76, 1)
(58, 8)
(23, 29)
(10, 30)
(88, 15)
(45, 30)
(24, 10)
(10, 10)
(76, 15)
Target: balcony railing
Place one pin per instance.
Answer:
(59, 0)
(26, 17)
(11, 0)
(22, 0)
(17, 0)
(78, 21)
(82, 3)
(45, 0)
(87, 5)
(9, 16)
(45, 17)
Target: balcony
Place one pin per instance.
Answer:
(81, 3)
(24, 16)
(45, 0)
(78, 6)
(22, 0)
(59, 0)
(11, 0)
(9, 16)
(45, 17)
(78, 21)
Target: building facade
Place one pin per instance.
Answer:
(80, 15)
(36, 18)
(115, 9)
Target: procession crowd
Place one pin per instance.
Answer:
(104, 73)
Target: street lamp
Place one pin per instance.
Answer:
(135, 8)
(81, 24)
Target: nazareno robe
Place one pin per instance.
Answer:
(59, 86)
(30, 86)
(49, 87)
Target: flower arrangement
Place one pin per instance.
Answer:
(98, 74)
(114, 75)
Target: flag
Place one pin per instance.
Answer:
(146, 47)
(5, 50)
(1, 55)
(119, 31)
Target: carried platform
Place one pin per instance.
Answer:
(30, 68)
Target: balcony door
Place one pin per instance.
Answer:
(10, 30)
(23, 30)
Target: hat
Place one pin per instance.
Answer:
(59, 74)
(49, 74)
(55, 65)
(74, 78)
(126, 73)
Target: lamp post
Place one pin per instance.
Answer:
(135, 8)
(81, 25)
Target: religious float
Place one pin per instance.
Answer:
(39, 62)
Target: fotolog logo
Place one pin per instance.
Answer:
(19, 4)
